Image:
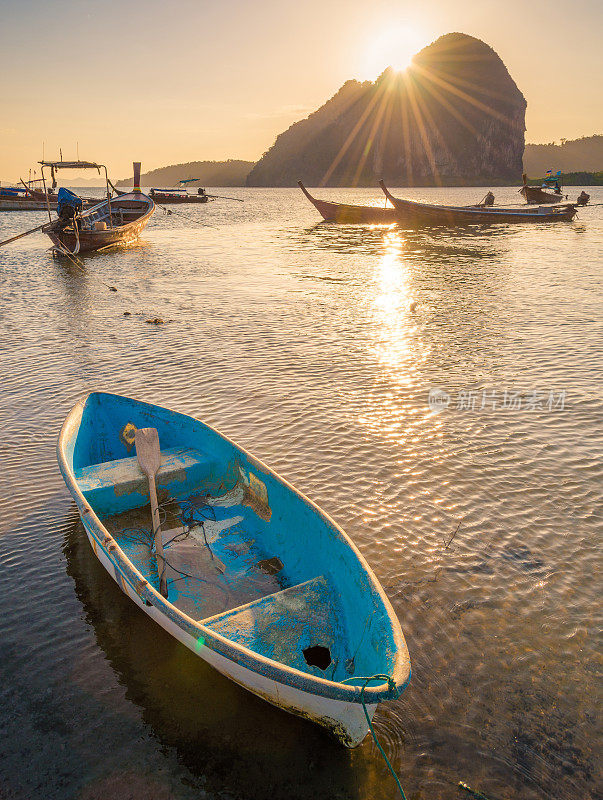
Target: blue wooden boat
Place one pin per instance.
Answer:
(261, 583)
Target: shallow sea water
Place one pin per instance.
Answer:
(315, 347)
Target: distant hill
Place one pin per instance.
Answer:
(574, 178)
(454, 117)
(210, 173)
(576, 155)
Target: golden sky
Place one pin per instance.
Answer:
(171, 81)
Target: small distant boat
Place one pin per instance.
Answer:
(26, 197)
(179, 194)
(31, 196)
(245, 571)
(114, 221)
(430, 213)
(24, 202)
(167, 196)
(539, 194)
(351, 214)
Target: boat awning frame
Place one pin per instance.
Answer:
(72, 165)
(54, 165)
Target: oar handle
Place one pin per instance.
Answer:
(157, 536)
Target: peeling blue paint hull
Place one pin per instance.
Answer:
(262, 584)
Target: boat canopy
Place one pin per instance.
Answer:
(56, 165)
(189, 180)
(71, 165)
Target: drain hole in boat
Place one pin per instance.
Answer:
(270, 565)
(318, 656)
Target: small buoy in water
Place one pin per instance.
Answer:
(412, 307)
(127, 314)
(155, 321)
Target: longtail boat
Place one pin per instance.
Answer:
(21, 201)
(351, 214)
(537, 194)
(170, 196)
(114, 221)
(244, 570)
(32, 195)
(429, 213)
(34, 200)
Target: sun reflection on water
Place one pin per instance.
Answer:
(399, 348)
(395, 327)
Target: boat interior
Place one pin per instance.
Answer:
(245, 554)
(123, 210)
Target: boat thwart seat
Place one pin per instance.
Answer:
(121, 484)
(299, 627)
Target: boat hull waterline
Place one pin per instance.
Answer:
(429, 213)
(326, 593)
(534, 195)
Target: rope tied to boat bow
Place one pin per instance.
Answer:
(391, 686)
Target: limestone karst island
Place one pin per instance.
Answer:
(300, 429)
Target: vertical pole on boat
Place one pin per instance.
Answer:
(108, 196)
(46, 194)
(148, 453)
(136, 165)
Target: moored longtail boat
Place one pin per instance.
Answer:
(30, 196)
(537, 194)
(114, 221)
(351, 214)
(261, 583)
(179, 194)
(25, 202)
(414, 212)
(172, 196)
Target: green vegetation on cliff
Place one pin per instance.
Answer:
(585, 154)
(577, 179)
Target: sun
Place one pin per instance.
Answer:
(394, 47)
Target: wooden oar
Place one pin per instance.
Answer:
(149, 459)
(21, 235)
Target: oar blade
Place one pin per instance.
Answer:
(147, 450)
